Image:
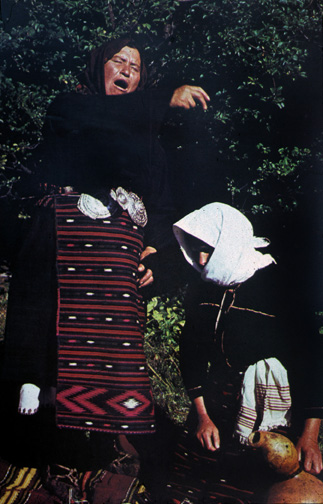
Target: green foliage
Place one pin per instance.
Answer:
(286, 168)
(165, 320)
(246, 54)
(4, 289)
(243, 53)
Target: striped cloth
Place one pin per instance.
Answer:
(103, 382)
(16, 483)
(265, 399)
(23, 485)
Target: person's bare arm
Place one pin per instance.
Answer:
(206, 432)
(308, 448)
(186, 97)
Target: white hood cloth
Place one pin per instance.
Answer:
(230, 233)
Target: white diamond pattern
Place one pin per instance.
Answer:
(131, 403)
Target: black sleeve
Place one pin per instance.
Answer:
(30, 337)
(194, 358)
(292, 336)
(196, 343)
(303, 355)
(158, 196)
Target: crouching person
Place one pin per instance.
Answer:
(239, 362)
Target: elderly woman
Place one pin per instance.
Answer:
(238, 360)
(76, 318)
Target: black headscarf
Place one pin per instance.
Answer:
(89, 141)
(92, 81)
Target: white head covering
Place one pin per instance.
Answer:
(223, 227)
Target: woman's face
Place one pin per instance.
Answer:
(122, 72)
(201, 250)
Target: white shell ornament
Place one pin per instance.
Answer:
(132, 203)
(92, 207)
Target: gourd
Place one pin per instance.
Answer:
(294, 485)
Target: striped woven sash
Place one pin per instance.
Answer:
(103, 382)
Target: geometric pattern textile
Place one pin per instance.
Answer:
(17, 483)
(23, 485)
(103, 383)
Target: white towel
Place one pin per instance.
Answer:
(265, 399)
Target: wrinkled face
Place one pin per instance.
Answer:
(122, 72)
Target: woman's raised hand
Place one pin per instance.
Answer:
(186, 97)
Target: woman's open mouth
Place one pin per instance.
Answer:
(121, 84)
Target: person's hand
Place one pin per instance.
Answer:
(207, 433)
(309, 452)
(147, 276)
(307, 446)
(186, 97)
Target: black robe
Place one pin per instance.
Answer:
(249, 336)
(94, 143)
